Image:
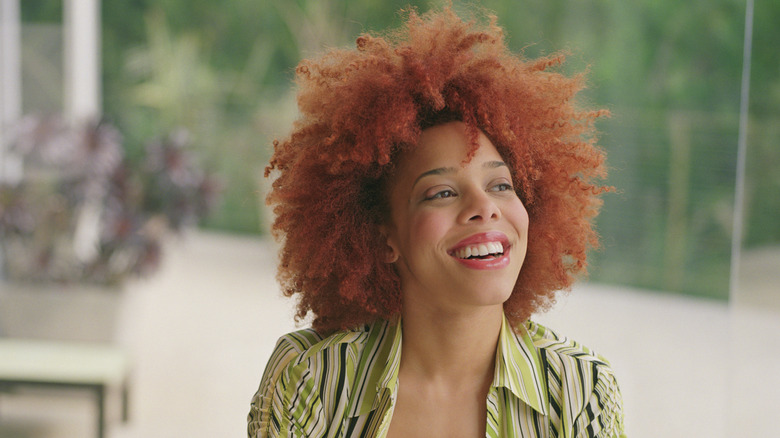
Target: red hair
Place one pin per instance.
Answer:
(361, 108)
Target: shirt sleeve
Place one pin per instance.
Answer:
(602, 416)
(262, 422)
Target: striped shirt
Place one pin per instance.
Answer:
(345, 385)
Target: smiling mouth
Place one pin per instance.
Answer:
(482, 251)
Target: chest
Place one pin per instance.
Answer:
(417, 414)
(500, 416)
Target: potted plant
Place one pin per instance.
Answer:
(84, 219)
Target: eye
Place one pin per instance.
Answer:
(441, 194)
(501, 187)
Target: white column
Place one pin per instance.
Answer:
(82, 59)
(82, 102)
(10, 84)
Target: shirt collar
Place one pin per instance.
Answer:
(518, 367)
(378, 369)
(389, 377)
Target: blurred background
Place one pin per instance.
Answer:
(141, 128)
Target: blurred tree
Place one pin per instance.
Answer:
(763, 158)
(669, 71)
(41, 11)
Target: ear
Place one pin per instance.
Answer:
(391, 253)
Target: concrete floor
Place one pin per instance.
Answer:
(201, 330)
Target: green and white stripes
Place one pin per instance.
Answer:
(345, 386)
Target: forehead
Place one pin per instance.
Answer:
(447, 145)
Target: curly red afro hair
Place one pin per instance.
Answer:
(360, 108)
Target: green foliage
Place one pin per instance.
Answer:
(171, 82)
(222, 73)
(762, 226)
(39, 11)
(669, 71)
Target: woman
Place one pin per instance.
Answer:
(436, 191)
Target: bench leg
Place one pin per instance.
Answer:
(125, 402)
(101, 417)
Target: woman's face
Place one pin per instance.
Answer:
(458, 231)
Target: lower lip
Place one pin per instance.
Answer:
(486, 264)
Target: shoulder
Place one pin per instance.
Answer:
(581, 383)
(561, 347)
(308, 347)
(290, 346)
(261, 422)
(302, 365)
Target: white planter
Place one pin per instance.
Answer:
(60, 312)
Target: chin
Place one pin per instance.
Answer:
(493, 295)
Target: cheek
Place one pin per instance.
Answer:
(518, 216)
(427, 226)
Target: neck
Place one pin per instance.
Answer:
(451, 346)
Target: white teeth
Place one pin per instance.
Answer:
(480, 250)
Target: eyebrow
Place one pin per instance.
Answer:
(445, 170)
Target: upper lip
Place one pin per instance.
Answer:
(475, 239)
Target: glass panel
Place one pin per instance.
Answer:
(755, 342)
(670, 74)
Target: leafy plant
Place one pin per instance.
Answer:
(82, 212)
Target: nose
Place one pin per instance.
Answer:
(478, 206)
